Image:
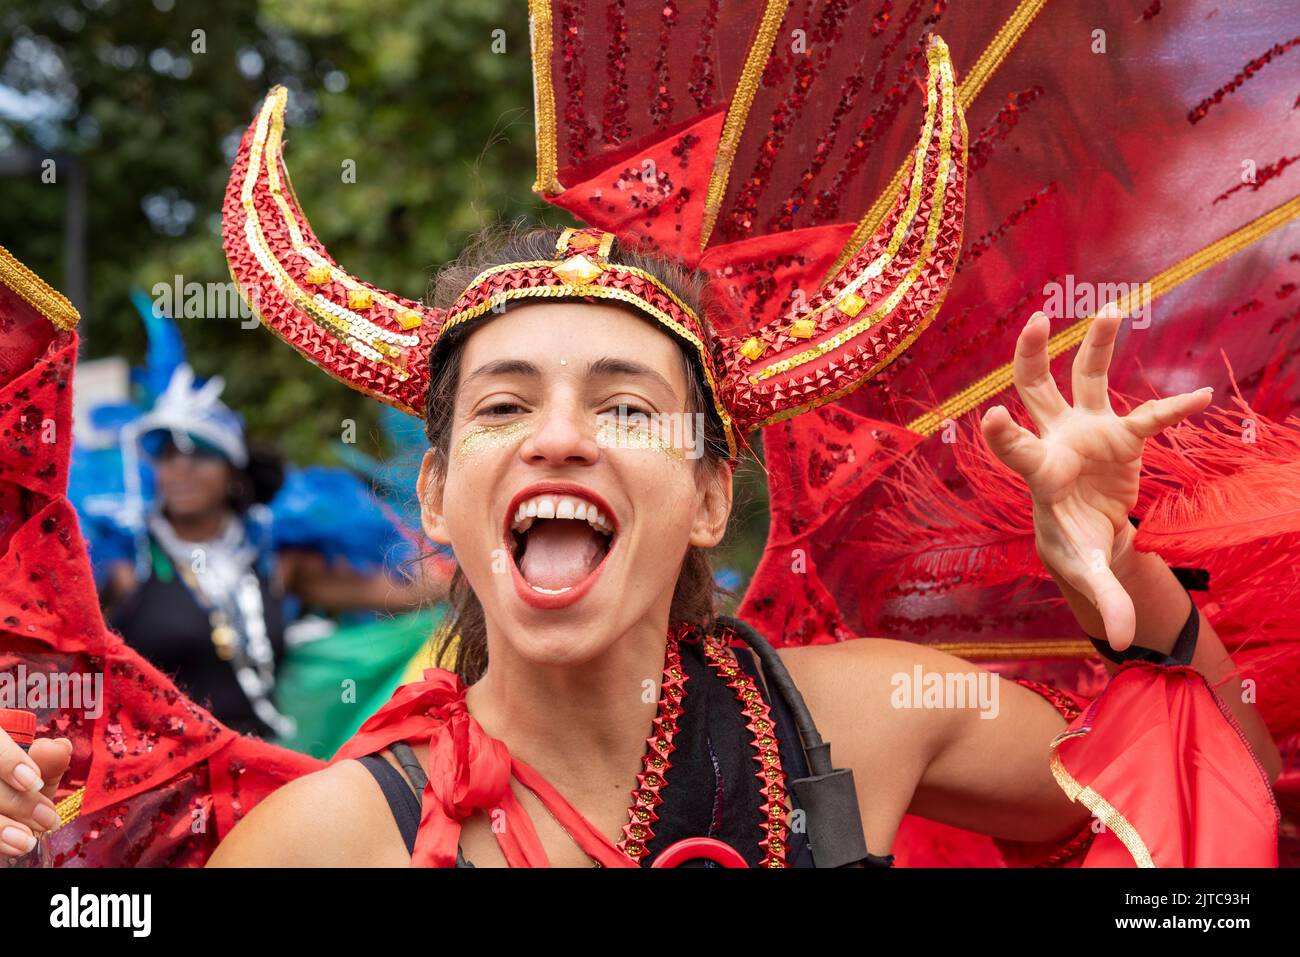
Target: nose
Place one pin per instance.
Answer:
(565, 435)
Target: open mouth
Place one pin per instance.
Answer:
(558, 541)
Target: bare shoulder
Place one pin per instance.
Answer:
(335, 817)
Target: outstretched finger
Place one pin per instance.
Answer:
(1032, 373)
(1017, 447)
(1155, 415)
(1089, 374)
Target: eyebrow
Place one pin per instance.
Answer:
(597, 368)
(503, 367)
(626, 367)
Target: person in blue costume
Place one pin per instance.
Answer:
(203, 594)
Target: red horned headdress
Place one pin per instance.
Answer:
(805, 315)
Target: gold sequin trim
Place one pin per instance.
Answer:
(940, 64)
(539, 18)
(37, 293)
(1101, 809)
(318, 262)
(858, 382)
(999, 379)
(738, 111)
(357, 333)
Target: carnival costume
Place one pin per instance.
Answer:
(747, 162)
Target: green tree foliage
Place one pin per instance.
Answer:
(431, 101)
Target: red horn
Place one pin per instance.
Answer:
(374, 341)
(882, 299)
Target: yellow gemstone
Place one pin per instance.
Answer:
(360, 299)
(803, 328)
(577, 270)
(752, 349)
(409, 319)
(851, 304)
(318, 274)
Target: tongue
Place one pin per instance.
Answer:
(559, 554)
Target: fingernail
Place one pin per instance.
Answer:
(19, 839)
(46, 817)
(27, 779)
(1206, 388)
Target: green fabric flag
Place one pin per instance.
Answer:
(331, 685)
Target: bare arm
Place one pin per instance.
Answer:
(947, 763)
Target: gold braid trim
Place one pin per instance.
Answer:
(70, 806)
(37, 293)
(548, 183)
(1101, 809)
(999, 379)
(738, 112)
(998, 650)
(967, 91)
(939, 64)
(1006, 38)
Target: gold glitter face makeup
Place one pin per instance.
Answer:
(642, 432)
(488, 438)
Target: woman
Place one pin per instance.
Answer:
(563, 622)
(203, 596)
(551, 373)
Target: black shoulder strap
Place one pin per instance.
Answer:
(404, 798)
(828, 795)
(402, 801)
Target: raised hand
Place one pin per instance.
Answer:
(1083, 467)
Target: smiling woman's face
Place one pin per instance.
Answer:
(568, 516)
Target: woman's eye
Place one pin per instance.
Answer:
(499, 409)
(625, 409)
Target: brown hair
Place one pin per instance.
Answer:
(695, 597)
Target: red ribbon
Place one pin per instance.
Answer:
(470, 771)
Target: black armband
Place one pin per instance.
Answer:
(1181, 654)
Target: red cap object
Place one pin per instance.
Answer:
(19, 725)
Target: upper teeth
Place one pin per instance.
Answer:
(559, 506)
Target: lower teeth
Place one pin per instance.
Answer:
(551, 591)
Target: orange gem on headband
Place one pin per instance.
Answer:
(884, 288)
